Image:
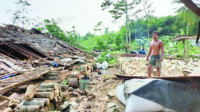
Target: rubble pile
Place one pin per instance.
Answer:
(42, 73)
(137, 66)
(100, 96)
(28, 57)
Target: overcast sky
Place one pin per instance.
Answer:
(83, 14)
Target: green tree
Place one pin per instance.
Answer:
(188, 16)
(55, 30)
(120, 8)
(98, 27)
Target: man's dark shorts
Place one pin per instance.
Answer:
(155, 61)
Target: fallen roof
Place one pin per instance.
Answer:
(40, 41)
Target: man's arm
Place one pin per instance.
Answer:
(162, 50)
(150, 50)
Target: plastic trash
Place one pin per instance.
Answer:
(83, 83)
(54, 64)
(66, 59)
(99, 65)
(80, 61)
(85, 78)
(105, 65)
(108, 55)
(143, 51)
(7, 76)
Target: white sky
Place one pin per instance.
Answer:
(83, 14)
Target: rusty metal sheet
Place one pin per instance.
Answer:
(126, 77)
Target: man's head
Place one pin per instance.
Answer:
(155, 35)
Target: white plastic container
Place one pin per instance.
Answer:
(105, 65)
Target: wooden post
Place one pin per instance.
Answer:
(184, 50)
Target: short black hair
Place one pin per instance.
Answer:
(154, 32)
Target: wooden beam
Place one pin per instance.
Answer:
(29, 77)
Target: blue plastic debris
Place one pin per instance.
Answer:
(143, 51)
(85, 78)
(54, 64)
(7, 76)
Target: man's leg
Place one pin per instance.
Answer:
(158, 64)
(158, 71)
(149, 70)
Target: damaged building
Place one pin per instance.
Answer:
(26, 55)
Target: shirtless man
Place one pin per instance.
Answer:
(154, 51)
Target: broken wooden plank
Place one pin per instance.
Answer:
(4, 97)
(24, 78)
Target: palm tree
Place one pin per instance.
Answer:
(189, 17)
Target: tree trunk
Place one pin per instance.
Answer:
(30, 92)
(45, 90)
(33, 102)
(45, 100)
(187, 39)
(33, 108)
(47, 85)
(49, 95)
(126, 11)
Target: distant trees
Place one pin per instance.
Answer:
(167, 28)
(20, 16)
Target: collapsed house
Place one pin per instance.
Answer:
(22, 51)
